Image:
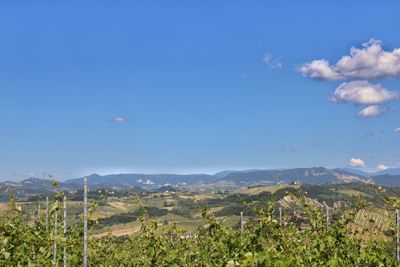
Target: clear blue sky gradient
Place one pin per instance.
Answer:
(189, 78)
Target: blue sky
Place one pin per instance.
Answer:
(186, 86)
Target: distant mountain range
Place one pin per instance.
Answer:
(225, 173)
(144, 180)
(30, 187)
(315, 175)
(318, 175)
(33, 185)
(390, 171)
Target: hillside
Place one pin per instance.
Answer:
(387, 179)
(30, 187)
(317, 175)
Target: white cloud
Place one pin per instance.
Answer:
(368, 62)
(272, 62)
(382, 167)
(119, 120)
(267, 58)
(372, 111)
(363, 92)
(397, 130)
(356, 162)
(319, 70)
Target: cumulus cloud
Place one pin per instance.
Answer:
(382, 167)
(397, 130)
(319, 70)
(370, 61)
(119, 120)
(372, 111)
(363, 92)
(272, 62)
(356, 162)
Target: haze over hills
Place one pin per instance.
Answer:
(387, 179)
(315, 175)
(137, 179)
(225, 173)
(356, 171)
(390, 171)
(318, 175)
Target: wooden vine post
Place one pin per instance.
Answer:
(85, 224)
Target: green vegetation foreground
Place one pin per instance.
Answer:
(262, 243)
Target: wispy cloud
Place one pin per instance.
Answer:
(317, 145)
(370, 61)
(357, 162)
(119, 120)
(397, 130)
(372, 111)
(367, 135)
(291, 150)
(272, 62)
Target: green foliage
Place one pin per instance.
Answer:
(264, 242)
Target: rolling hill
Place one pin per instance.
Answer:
(316, 175)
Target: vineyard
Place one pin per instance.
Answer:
(263, 241)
